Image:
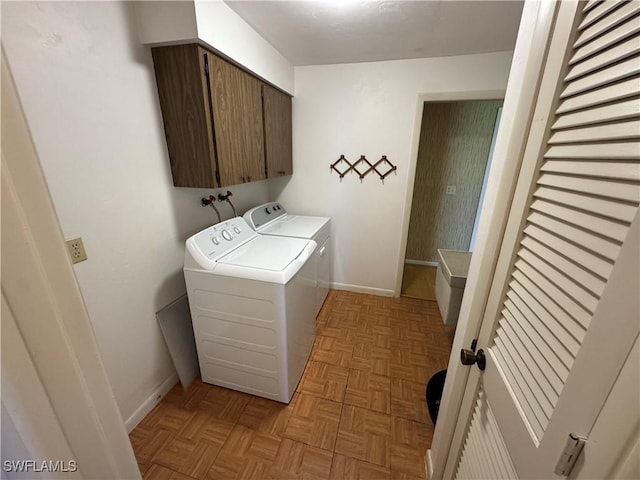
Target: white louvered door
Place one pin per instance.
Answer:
(563, 311)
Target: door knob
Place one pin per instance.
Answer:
(469, 357)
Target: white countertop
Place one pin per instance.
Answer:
(455, 266)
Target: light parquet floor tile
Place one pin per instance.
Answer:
(224, 404)
(359, 411)
(250, 469)
(244, 443)
(174, 453)
(199, 461)
(189, 398)
(158, 472)
(324, 381)
(365, 435)
(372, 359)
(147, 443)
(368, 390)
(348, 468)
(408, 400)
(297, 460)
(266, 416)
(333, 351)
(314, 421)
(204, 427)
(171, 417)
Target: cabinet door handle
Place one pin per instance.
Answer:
(321, 253)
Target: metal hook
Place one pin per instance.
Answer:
(210, 202)
(225, 198)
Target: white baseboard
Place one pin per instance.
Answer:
(428, 464)
(153, 399)
(421, 262)
(383, 292)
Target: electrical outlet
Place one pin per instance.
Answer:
(451, 189)
(76, 250)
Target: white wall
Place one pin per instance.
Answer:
(369, 109)
(214, 23)
(89, 95)
(224, 30)
(168, 21)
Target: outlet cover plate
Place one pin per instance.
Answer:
(451, 189)
(76, 250)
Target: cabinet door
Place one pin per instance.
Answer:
(277, 131)
(236, 103)
(184, 101)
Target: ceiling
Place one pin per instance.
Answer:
(321, 32)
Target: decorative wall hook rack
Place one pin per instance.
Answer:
(337, 162)
(384, 161)
(362, 167)
(367, 167)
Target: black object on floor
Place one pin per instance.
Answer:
(435, 386)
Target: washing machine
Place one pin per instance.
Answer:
(252, 299)
(272, 219)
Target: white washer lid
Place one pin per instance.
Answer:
(294, 226)
(266, 253)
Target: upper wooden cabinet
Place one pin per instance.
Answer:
(277, 131)
(223, 125)
(236, 103)
(186, 112)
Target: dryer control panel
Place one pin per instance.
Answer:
(217, 240)
(263, 214)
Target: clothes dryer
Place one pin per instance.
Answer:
(273, 220)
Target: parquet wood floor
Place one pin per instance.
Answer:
(359, 411)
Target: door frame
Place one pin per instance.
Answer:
(413, 159)
(525, 76)
(43, 301)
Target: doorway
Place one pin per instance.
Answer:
(455, 145)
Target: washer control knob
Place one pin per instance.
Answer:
(267, 210)
(226, 234)
(236, 229)
(216, 240)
